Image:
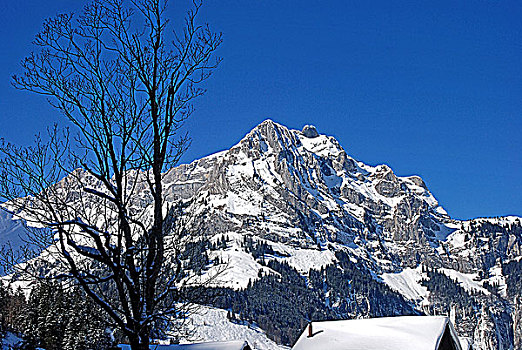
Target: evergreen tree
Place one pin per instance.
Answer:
(57, 319)
(75, 336)
(86, 324)
(30, 320)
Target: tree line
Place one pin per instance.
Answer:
(55, 318)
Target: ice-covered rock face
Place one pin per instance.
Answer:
(306, 181)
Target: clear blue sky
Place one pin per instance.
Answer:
(430, 88)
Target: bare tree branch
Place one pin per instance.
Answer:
(126, 84)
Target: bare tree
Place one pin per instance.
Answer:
(125, 81)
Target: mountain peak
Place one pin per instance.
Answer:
(309, 131)
(267, 129)
(269, 123)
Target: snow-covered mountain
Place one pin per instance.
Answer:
(296, 196)
(327, 236)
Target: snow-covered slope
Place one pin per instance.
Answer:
(408, 283)
(211, 324)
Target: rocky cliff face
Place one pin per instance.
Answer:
(302, 195)
(284, 206)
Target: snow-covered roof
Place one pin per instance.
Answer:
(218, 345)
(385, 333)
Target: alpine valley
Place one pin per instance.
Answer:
(306, 232)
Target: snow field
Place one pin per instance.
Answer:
(407, 283)
(211, 324)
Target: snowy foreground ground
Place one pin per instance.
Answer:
(210, 324)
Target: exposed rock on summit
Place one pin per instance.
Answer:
(310, 131)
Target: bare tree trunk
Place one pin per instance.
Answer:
(126, 91)
(138, 343)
